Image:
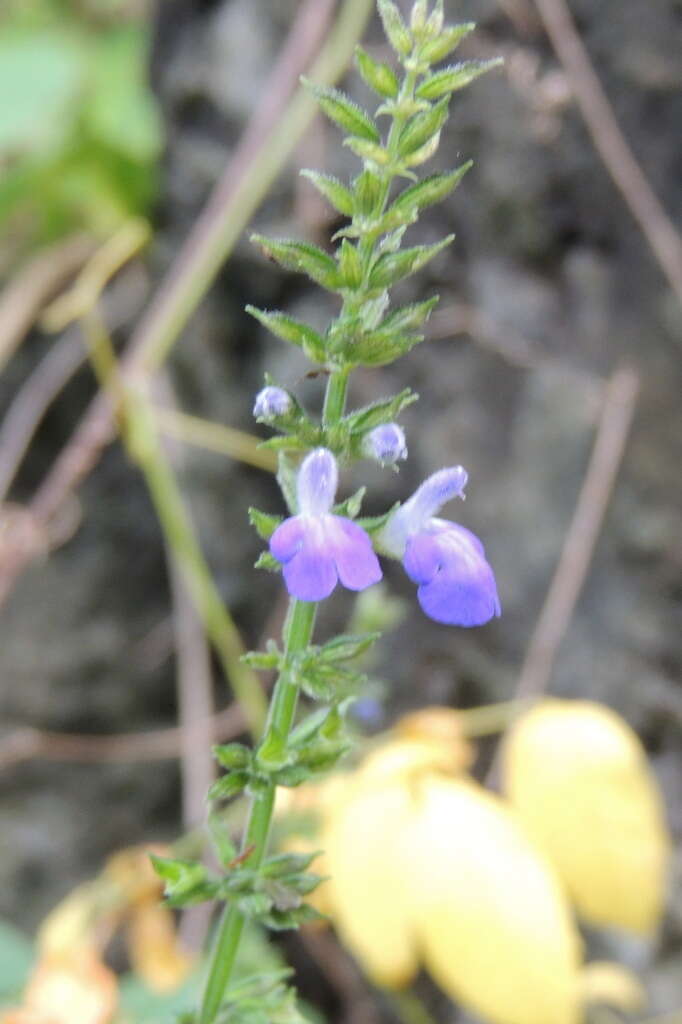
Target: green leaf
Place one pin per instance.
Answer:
(290, 329)
(265, 660)
(143, 1006)
(429, 191)
(456, 77)
(120, 110)
(378, 348)
(347, 646)
(186, 882)
(16, 959)
(232, 755)
(392, 267)
(409, 318)
(350, 508)
(268, 562)
(450, 37)
(350, 266)
(380, 77)
(42, 75)
(331, 188)
(369, 189)
(341, 109)
(383, 411)
(367, 150)
(264, 524)
(421, 128)
(287, 864)
(301, 257)
(395, 28)
(285, 444)
(229, 786)
(281, 920)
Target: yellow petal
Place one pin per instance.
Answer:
(65, 989)
(579, 778)
(443, 728)
(72, 924)
(612, 984)
(408, 758)
(362, 844)
(494, 927)
(155, 954)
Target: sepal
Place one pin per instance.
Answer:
(395, 28)
(292, 330)
(449, 80)
(379, 77)
(383, 411)
(422, 128)
(448, 40)
(428, 191)
(341, 109)
(302, 258)
(394, 266)
(331, 188)
(185, 882)
(263, 523)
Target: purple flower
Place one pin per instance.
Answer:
(316, 548)
(456, 584)
(386, 443)
(271, 404)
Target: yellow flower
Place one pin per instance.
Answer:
(578, 776)
(428, 868)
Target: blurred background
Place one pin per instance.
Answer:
(117, 118)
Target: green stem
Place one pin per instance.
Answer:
(335, 397)
(297, 635)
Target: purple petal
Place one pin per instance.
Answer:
(287, 538)
(316, 483)
(357, 565)
(462, 589)
(309, 570)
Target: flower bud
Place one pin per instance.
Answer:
(271, 404)
(385, 444)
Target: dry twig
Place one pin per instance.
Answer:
(620, 396)
(611, 144)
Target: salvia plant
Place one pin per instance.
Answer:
(324, 541)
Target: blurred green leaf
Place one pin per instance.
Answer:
(42, 76)
(16, 958)
(120, 111)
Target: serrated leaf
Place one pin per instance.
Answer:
(263, 523)
(378, 348)
(341, 109)
(231, 755)
(422, 127)
(395, 28)
(347, 646)
(380, 77)
(301, 257)
(228, 786)
(290, 329)
(186, 882)
(450, 37)
(456, 77)
(394, 266)
(429, 191)
(268, 562)
(331, 188)
(350, 266)
(383, 411)
(367, 150)
(409, 318)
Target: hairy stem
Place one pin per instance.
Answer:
(297, 635)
